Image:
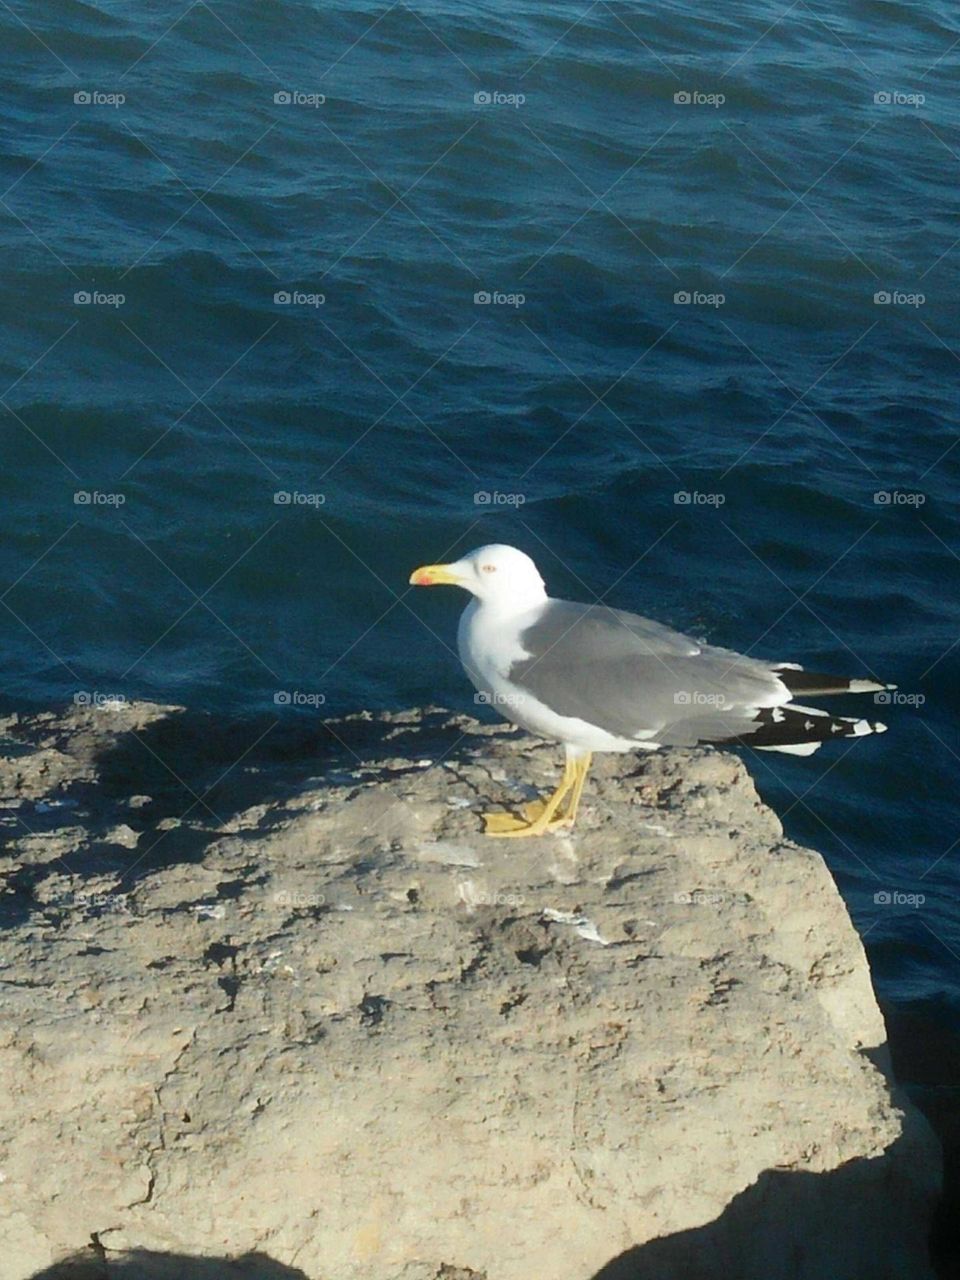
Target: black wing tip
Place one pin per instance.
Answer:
(815, 683)
(793, 726)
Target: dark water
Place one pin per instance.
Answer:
(784, 196)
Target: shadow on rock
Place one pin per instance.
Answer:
(193, 773)
(232, 764)
(926, 1059)
(858, 1222)
(142, 1264)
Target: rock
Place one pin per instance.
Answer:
(353, 1038)
(66, 747)
(122, 834)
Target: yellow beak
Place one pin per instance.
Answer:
(434, 575)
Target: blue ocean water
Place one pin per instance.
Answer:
(297, 296)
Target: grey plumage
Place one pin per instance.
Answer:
(635, 678)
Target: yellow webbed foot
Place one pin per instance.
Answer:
(538, 817)
(534, 811)
(520, 828)
(503, 824)
(530, 824)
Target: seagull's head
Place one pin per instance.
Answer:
(497, 575)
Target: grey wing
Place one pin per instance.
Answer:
(635, 678)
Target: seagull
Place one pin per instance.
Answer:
(601, 679)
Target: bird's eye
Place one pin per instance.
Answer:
(489, 568)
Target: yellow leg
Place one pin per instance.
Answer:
(539, 815)
(506, 824)
(573, 804)
(533, 810)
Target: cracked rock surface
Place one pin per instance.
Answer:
(311, 1013)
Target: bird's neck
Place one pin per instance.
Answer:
(489, 635)
(505, 607)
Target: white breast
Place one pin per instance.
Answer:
(489, 644)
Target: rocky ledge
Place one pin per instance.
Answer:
(318, 1026)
